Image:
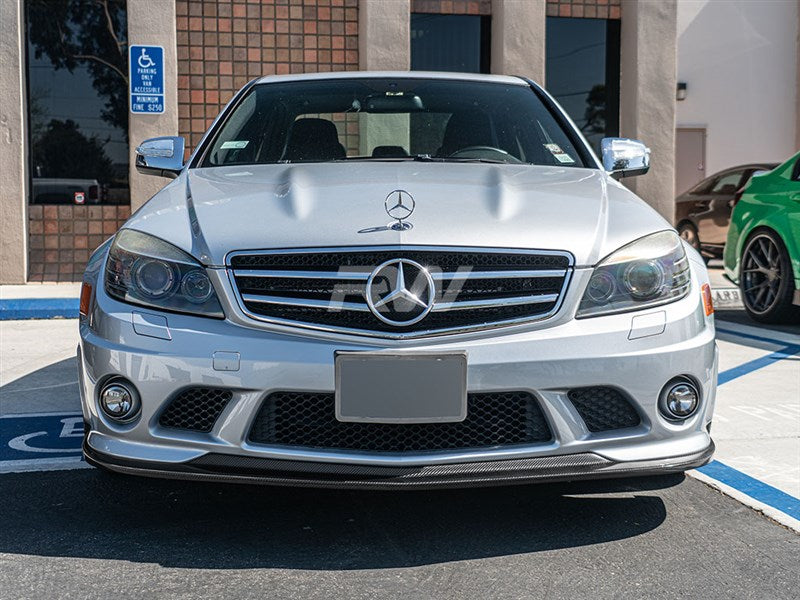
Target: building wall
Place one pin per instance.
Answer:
(739, 60)
(452, 7)
(213, 47)
(647, 95)
(223, 45)
(588, 9)
(13, 146)
(61, 238)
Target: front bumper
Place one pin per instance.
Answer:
(228, 468)
(544, 359)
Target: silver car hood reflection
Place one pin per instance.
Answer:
(211, 212)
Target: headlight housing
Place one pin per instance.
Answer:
(146, 270)
(652, 270)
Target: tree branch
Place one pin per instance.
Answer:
(101, 61)
(110, 25)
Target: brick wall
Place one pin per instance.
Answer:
(62, 238)
(223, 44)
(589, 9)
(452, 7)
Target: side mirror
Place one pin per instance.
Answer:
(161, 156)
(625, 158)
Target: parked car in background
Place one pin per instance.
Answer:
(762, 253)
(703, 213)
(59, 190)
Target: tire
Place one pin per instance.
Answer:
(689, 233)
(766, 279)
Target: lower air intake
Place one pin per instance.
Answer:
(308, 420)
(195, 409)
(604, 408)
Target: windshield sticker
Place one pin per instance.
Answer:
(234, 145)
(559, 154)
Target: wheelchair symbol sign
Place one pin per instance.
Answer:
(144, 60)
(146, 67)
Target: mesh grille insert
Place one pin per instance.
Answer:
(603, 408)
(195, 409)
(308, 420)
(446, 261)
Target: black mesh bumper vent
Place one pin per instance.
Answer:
(195, 409)
(604, 408)
(307, 420)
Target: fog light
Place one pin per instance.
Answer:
(119, 401)
(679, 400)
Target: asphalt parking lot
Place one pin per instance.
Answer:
(81, 534)
(69, 531)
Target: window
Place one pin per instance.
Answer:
(450, 43)
(582, 65)
(77, 101)
(403, 119)
(703, 187)
(727, 184)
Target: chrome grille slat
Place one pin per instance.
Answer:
(345, 275)
(325, 288)
(439, 276)
(467, 304)
(304, 302)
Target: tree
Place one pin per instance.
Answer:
(595, 114)
(63, 151)
(90, 33)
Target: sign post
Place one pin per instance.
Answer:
(146, 77)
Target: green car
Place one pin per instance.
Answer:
(762, 253)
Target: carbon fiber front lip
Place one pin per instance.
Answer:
(243, 469)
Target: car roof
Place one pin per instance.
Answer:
(768, 165)
(446, 76)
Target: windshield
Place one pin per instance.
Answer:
(392, 120)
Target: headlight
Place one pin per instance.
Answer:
(145, 270)
(650, 271)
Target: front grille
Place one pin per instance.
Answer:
(472, 288)
(603, 408)
(195, 409)
(308, 420)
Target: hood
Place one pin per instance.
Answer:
(210, 212)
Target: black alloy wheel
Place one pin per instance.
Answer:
(766, 280)
(689, 233)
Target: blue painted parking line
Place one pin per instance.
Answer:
(733, 478)
(785, 351)
(45, 436)
(756, 364)
(39, 308)
(758, 490)
(750, 336)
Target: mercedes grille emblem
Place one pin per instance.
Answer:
(400, 292)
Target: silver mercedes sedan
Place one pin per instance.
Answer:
(395, 280)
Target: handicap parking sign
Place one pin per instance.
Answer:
(146, 69)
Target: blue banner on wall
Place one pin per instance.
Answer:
(146, 66)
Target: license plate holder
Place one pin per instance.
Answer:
(381, 387)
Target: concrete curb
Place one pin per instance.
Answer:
(39, 308)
